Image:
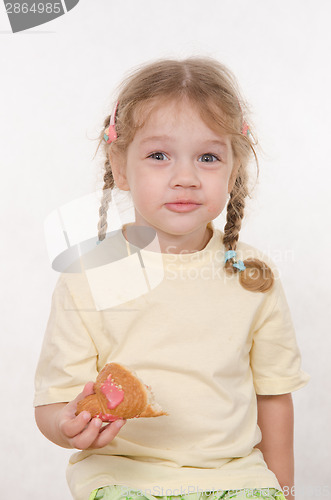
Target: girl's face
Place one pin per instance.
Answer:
(178, 171)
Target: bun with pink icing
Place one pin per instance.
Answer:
(120, 393)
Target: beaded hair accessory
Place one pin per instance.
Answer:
(245, 129)
(232, 254)
(110, 133)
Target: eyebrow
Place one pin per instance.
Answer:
(168, 138)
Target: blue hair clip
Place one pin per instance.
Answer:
(239, 265)
(232, 254)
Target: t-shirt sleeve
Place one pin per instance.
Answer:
(275, 357)
(68, 356)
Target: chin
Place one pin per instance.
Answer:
(180, 229)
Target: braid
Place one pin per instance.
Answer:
(108, 185)
(257, 277)
(235, 211)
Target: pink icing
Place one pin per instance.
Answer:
(113, 393)
(107, 417)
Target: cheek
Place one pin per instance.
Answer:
(144, 191)
(217, 207)
(218, 186)
(218, 192)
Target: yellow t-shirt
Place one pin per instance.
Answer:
(206, 346)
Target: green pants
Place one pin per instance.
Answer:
(128, 493)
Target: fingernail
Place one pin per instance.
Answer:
(86, 416)
(120, 423)
(97, 422)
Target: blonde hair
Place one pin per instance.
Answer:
(212, 88)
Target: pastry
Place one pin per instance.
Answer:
(120, 394)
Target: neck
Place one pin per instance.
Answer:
(173, 244)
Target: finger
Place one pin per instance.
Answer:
(107, 434)
(70, 427)
(72, 406)
(70, 424)
(88, 389)
(85, 439)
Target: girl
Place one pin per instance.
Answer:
(212, 334)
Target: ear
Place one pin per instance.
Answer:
(233, 175)
(118, 164)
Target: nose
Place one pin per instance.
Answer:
(184, 174)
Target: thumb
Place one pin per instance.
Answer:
(72, 406)
(87, 391)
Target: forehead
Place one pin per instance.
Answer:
(170, 114)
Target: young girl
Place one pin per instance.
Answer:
(212, 334)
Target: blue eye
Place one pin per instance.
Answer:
(158, 156)
(209, 158)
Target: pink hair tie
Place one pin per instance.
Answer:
(245, 129)
(110, 133)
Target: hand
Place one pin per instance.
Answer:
(81, 431)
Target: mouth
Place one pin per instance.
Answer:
(186, 200)
(183, 205)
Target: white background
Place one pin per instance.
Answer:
(57, 83)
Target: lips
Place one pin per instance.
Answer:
(184, 201)
(183, 205)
